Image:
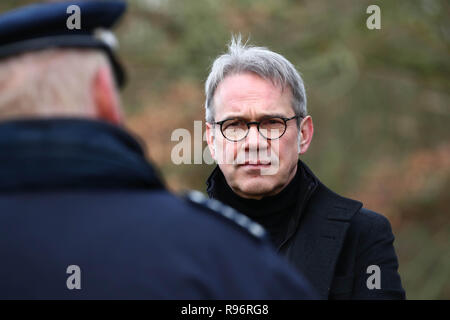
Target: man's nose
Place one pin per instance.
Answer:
(254, 140)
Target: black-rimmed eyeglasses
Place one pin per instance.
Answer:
(270, 128)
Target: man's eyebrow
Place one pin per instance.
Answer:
(265, 116)
(274, 115)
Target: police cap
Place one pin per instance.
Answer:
(55, 25)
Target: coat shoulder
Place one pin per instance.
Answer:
(335, 206)
(365, 226)
(371, 223)
(343, 208)
(365, 214)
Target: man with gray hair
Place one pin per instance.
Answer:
(253, 96)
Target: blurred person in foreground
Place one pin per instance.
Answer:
(83, 215)
(257, 126)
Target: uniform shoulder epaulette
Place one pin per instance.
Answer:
(254, 228)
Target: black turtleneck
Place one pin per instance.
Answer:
(273, 212)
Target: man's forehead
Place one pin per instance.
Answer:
(248, 85)
(239, 93)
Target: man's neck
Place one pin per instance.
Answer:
(272, 192)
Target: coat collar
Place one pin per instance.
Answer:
(321, 234)
(56, 154)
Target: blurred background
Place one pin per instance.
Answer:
(379, 100)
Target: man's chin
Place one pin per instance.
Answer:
(254, 190)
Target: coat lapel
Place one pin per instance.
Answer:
(320, 237)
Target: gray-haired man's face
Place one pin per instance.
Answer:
(254, 167)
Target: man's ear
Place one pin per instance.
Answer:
(106, 98)
(306, 134)
(210, 139)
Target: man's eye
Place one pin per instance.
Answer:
(234, 123)
(273, 121)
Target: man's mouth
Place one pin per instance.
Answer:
(255, 164)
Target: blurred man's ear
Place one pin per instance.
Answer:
(210, 139)
(306, 134)
(106, 98)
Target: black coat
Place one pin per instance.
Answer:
(78, 192)
(333, 241)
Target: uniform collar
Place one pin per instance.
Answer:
(60, 154)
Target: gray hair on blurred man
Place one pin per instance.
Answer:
(59, 83)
